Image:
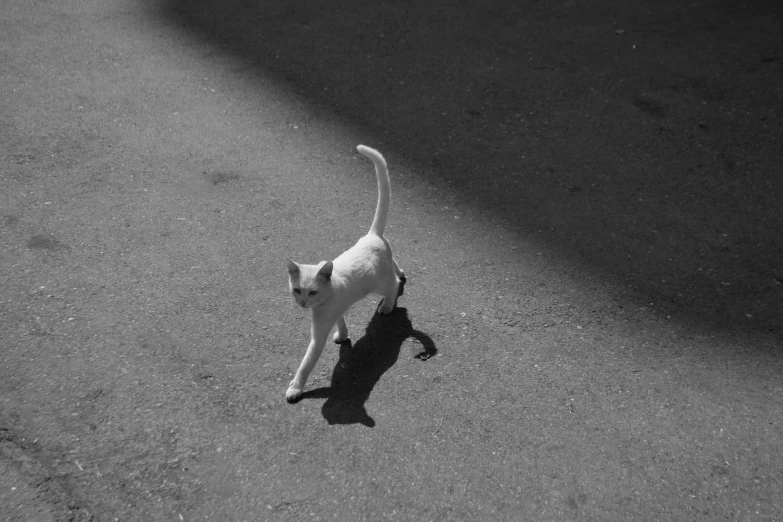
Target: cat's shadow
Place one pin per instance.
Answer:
(361, 366)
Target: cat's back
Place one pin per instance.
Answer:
(368, 255)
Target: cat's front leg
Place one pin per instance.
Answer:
(318, 335)
(341, 334)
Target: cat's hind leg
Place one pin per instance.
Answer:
(400, 276)
(341, 335)
(397, 270)
(389, 301)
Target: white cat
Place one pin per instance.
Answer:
(330, 288)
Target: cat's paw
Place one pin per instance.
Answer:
(338, 338)
(385, 309)
(294, 392)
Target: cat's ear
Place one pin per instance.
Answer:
(293, 268)
(325, 271)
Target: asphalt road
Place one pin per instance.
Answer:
(585, 203)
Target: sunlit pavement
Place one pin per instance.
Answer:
(155, 177)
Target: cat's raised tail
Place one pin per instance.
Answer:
(384, 189)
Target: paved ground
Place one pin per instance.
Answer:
(586, 204)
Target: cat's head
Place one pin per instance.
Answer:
(310, 285)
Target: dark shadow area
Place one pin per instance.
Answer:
(361, 366)
(638, 139)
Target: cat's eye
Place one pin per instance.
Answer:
(297, 291)
(313, 292)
